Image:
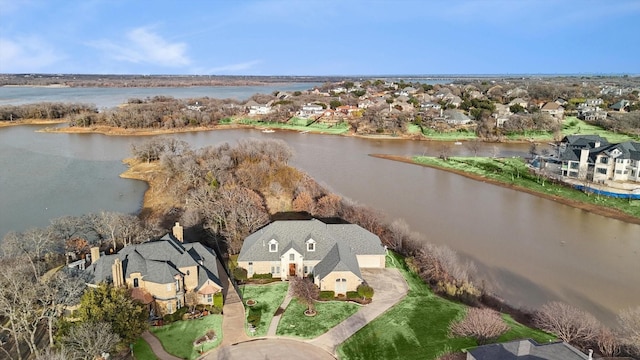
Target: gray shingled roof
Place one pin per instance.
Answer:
(340, 258)
(159, 261)
(584, 141)
(509, 351)
(295, 233)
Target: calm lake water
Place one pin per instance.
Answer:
(528, 250)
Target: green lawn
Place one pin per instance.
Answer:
(268, 297)
(449, 136)
(177, 338)
(329, 314)
(142, 351)
(299, 125)
(514, 171)
(575, 126)
(418, 326)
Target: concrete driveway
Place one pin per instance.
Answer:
(273, 349)
(389, 288)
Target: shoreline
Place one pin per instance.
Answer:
(595, 209)
(115, 131)
(31, 122)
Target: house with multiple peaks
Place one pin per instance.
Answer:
(593, 158)
(165, 274)
(333, 254)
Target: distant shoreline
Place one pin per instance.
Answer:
(598, 210)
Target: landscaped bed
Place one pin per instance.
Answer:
(329, 314)
(267, 300)
(418, 327)
(177, 338)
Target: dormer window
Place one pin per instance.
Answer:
(311, 245)
(273, 245)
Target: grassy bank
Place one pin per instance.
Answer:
(418, 326)
(513, 173)
(296, 124)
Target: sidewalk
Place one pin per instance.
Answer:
(273, 326)
(156, 347)
(233, 318)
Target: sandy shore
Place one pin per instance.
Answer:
(31, 122)
(599, 210)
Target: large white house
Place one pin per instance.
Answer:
(592, 158)
(332, 253)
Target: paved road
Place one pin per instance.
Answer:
(269, 349)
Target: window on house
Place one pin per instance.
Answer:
(177, 286)
(178, 304)
(209, 298)
(311, 245)
(292, 257)
(601, 170)
(575, 165)
(135, 282)
(168, 287)
(169, 308)
(573, 174)
(306, 271)
(273, 246)
(618, 171)
(250, 269)
(604, 160)
(619, 161)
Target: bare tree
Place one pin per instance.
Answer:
(484, 325)
(608, 343)
(306, 292)
(304, 202)
(629, 323)
(474, 146)
(568, 323)
(89, 340)
(33, 244)
(59, 290)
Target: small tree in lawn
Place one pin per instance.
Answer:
(484, 325)
(365, 291)
(306, 292)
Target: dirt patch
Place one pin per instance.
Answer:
(599, 210)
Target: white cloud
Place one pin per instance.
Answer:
(26, 54)
(231, 68)
(142, 46)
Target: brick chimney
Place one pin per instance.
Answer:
(95, 254)
(178, 232)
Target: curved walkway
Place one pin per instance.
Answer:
(390, 288)
(156, 347)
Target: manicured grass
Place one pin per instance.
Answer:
(449, 136)
(573, 126)
(417, 327)
(177, 338)
(142, 351)
(514, 171)
(297, 125)
(329, 314)
(268, 297)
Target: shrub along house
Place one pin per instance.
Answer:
(165, 274)
(332, 253)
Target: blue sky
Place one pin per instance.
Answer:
(319, 37)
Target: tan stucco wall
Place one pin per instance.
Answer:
(259, 267)
(371, 261)
(191, 280)
(328, 283)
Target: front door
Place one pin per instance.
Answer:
(292, 269)
(341, 286)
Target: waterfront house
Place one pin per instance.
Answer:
(332, 254)
(456, 117)
(553, 109)
(309, 110)
(165, 274)
(622, 105)
(590, 158)
(527, 349)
